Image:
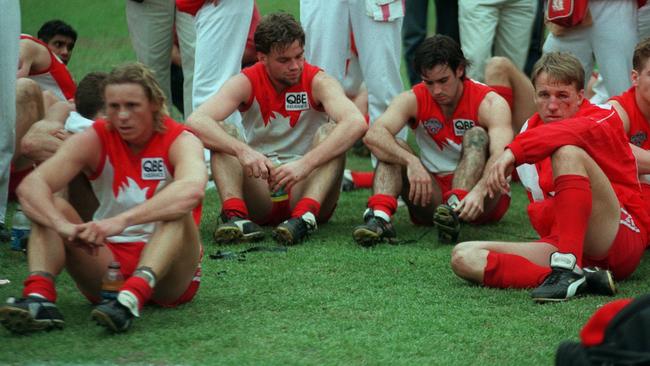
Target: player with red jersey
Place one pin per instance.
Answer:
(586, 199)
(285, 104)
(460, 126)
(148, 174)
(633, 106)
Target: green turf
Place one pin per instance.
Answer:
(325, 302)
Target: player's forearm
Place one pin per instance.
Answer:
(642, 159)
(39, 147)
(37, 201)
(385, 147)
(213, 136)
(171, 203)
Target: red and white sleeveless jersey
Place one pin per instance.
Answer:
(123, 180)
(598, 130)
(639, 127)
(284, 123)
(56, 78)
(441, 140)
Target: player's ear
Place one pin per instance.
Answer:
(262, 57)
(634, 76)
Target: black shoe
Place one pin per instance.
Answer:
(565, 281)
(448, 223)
(30, 314)
(113, 316)
(600, 281)
(294, 230)
(5, 235)
(373, 231)
(347, 184)
(237, 229)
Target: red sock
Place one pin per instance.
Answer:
(384, 203)
(362, 179)
(573, 203)
(139, 287)
(505, 92)
(305, 205)
(512, 271)
(234, 207)
(41, 285)
(460, 193)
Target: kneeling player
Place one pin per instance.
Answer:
(285, 102)
(586, 203)
(148, 174)
(460, 126)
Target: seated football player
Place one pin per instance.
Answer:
(575, 162)
(460, 127)
(285, 104)
(148, 174)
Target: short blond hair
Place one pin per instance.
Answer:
(137, 73)
(562, 67)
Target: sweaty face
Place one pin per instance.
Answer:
(285, 65)
(641, 81)
(62, 47)
(444, 84)
(130, 112)
(555, 100)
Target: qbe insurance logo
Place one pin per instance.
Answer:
(153, 169)
(296, 101)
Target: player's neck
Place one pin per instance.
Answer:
(448, 109)
(644, 106)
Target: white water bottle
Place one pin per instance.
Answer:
(20, 228)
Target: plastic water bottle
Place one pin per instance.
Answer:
(20, 228)
(280, 194)
(112, 281)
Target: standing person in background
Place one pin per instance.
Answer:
(151, 25)
(414, 29)
(222, 28)
(495, 28)
(605, 37)
(9, 38)
(377, 29)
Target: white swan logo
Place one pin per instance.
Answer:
(130, 191)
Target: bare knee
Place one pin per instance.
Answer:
(231, 130)
(497, 71)
(476, 138)
(567, 157)
(322, 132)
(27, 89)
(468, 261)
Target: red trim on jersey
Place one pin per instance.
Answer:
(57, 70)
(270, 100)
(430, 112)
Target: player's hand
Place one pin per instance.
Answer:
(255, 164)
(420, 182)
(96, 232)
(497, 179)
(61, 134)
(471, 207)
(67, 230)
(287, 175)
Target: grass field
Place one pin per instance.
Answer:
(325, 302)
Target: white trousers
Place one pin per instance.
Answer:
(327, 27)
(151, 29)
(221, 33)
(610, 40)
(10, 26)
(495, 28)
